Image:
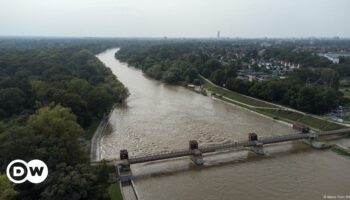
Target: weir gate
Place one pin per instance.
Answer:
(195, 152)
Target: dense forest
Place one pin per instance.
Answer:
(74, 79)
(313, 88)
(49, 96)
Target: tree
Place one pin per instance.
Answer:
(78, 106)
(209, 66)
(329, 78)
(238, 85)
(304, 75)
(155, 72)
(191, 74)
(316, 99)
(56, 121)
(7, 191)
(11, 100)
(172, 75)
(75, 183)
(78, 86)
(61, 131)
(99, 101)
(231, 71)
(18, 142)
(218, 77)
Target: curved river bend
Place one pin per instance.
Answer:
(158, 117)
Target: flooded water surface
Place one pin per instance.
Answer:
(158, 117)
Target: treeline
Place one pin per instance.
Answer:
(312, 89)
(48, 96)
(74, 79)
(163, 62)
(175, 63)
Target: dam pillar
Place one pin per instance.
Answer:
(258, 148)
(123, 169)
(196, 156)
(315, 143)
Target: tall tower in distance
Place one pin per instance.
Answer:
(218, 35)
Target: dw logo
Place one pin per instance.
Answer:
(35, 171)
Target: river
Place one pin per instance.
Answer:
(158, 117)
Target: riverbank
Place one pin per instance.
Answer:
(114, 190)
(274, 111)
(96, 140)
(95, 148)
(341, 150)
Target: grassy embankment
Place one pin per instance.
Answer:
(114, 192)
(113, 189)
(271, 110)
(340, 151)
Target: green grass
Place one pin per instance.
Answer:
(284, 115)
(319, 123)
(290, 115)
(90, 131)
(340, 151)
(234, 102)
(314, 122)
(114, 192)
(236, 96)
(332, 126)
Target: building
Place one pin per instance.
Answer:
(334, 57)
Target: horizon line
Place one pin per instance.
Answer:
(167, 37)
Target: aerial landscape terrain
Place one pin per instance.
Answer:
(174, 100)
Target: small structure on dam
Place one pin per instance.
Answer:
(123, 169)
(258, 147)
(196, 157)
(300, 127)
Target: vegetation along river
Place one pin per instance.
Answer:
(158, 117)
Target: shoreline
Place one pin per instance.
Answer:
(95, 147)
(279, 113)
(253, 111)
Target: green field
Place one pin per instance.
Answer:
(236, 96)
(268, 109)
(114, 192)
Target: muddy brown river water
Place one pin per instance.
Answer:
(158, 117)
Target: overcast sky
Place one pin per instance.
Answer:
(175, 18)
